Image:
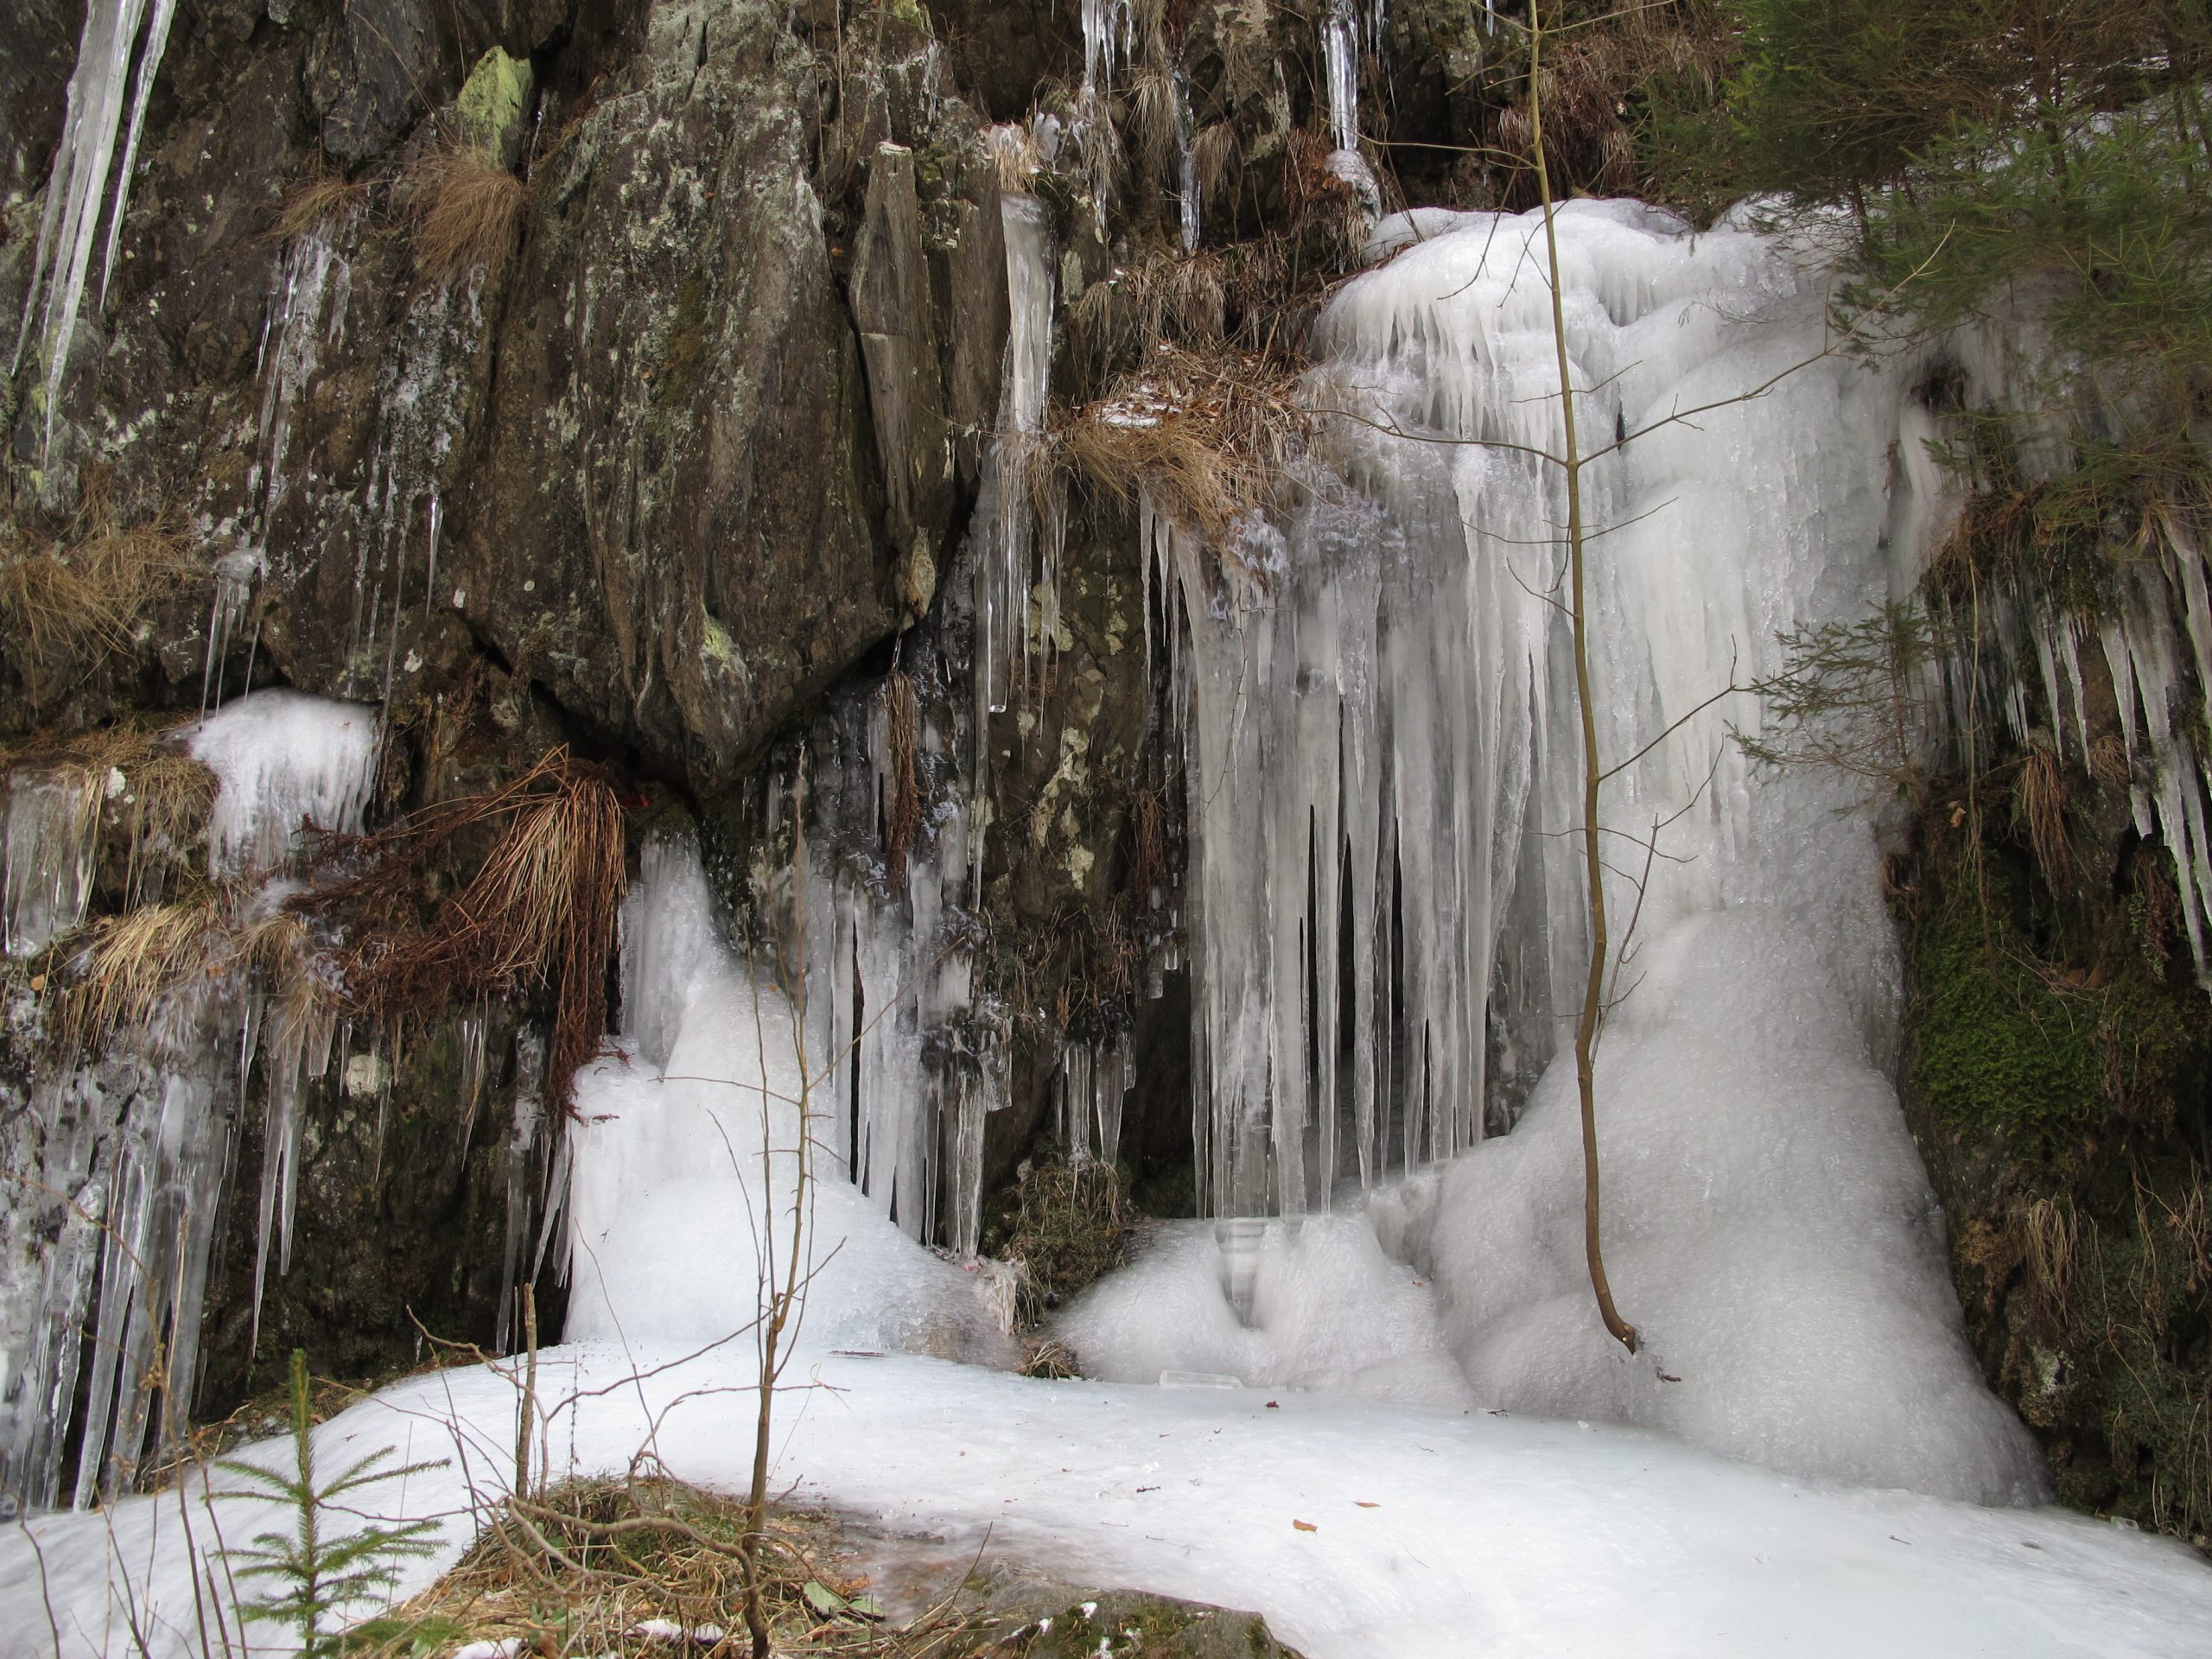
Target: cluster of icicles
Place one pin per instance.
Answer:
(2156, 646)
(122, 1158)
(117, 34)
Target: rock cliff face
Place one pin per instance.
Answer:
(613, 375)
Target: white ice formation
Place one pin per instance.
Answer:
(1384, 778)
(284, 760)
(1446, 1534)
(104, 1247)
(48, 837)
(683, 1161)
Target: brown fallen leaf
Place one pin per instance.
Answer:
(1361, 1503)
(1304, 1526)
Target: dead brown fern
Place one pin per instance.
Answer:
(467, 212)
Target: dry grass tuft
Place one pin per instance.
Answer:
(2052, 1239)
(134, 964)
(66, 609)
(144, 798)
(2043, 803)
(539, 913)
(1155, 113)
(1098, 155)
(1589, 125)
(1182, 299)
(1015, 155)
(467, 212)
(594, 1567)
(135, 975)
(1066, 1227)
(325, 196)
(1319, 203)
(1214, 149)
(1207, 437)
(1149, 848)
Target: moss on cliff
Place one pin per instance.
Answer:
(2057, 1055)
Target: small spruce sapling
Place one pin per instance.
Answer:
(313, 1575)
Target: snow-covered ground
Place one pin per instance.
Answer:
(1433, 1532)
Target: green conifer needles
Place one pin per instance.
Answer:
(307, 1580)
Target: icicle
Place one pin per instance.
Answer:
(522, 1143)
(76, 191)
(52, 830)
(1003, 577)
(1340, 70)
(469, 1030)
(431, 563)
(1382, 889)
(238, 574)
(149, 63)
(1187, 165)
(1106, 26)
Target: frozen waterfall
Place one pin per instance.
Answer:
(1384, 778)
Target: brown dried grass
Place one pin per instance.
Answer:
(1182, 299)
(2052, 1237)
(134, 963)
(1207, 435)
(158, 816)
(64, 609)
(467, 213)
(538, 914)
(1154, 117)
(2043, 803)
(324, 196)
(1214, 149)
(1014, 154)
(587, 1567)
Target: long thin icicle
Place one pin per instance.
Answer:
(77, 190)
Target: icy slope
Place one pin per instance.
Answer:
(1489, 1536)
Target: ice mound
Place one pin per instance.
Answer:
(1310, 1303)
(685, 1159)
(1768, 1229)
(283, 758)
